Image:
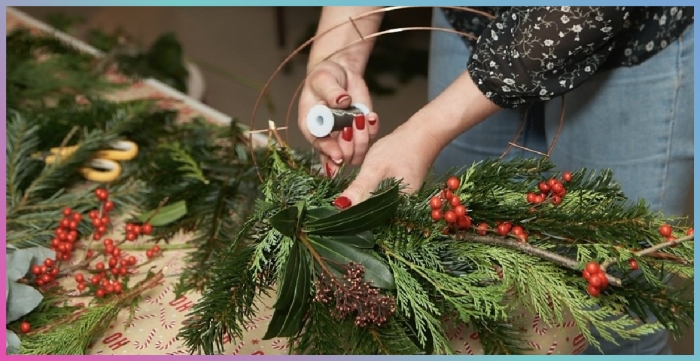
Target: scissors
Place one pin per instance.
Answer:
(104, 167)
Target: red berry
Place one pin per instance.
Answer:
(123, 262)
(671, 239)
(435, 203)
(436, 215)
(102, 194)
(46, 278)
(665, 230)
(94, 280)
(551, 182)
(544, 187)
(593, 291)
(90, 253)
(112, 262)
(93, 214)
(122, 271)
(79, 277)
(149, 253)
(55, 242)
(25, 327)
(109, 249)
(137, 229)
(109, 289)
(108, 206)
(108, 242)
(452, 183)
(39, 282)
(131, 236)
(633, 265)
(482, 228)
(539, 199)
(517, 230)
(557, 188)
(464, 222)
(455, 201)
(49, 262)
(132, 260)
(77, 217)
(603, 280)
(54, 272)
(156, 248)
(595, 280)
(81, 286)
(447, 194)
(147, 228)
(96, 222)
(521, 237)
(100, 266)
(65, 223)
(592, 268)
(586, 275)
(118, 287)
(97, 236)
(567, 176)
(460, 210)
(129, 227)
(502, 229)
(67, 211)
(100, 293)
(116, 252)
(690, 232)
(36, 270)
(105, 221)
(73, 225)
(556, 200)
(450, 217)
(531, 197)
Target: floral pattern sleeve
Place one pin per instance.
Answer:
(532, 54)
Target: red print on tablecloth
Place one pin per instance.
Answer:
(258, 353)
(140, 345)
(115, 341)
(165, 345)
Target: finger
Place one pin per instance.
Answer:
(360, 139)
(330, 169)
(373, 124)
(346, 144)
(330, 147)
(360, 189)
(329, 86)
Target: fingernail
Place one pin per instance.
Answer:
(341, 98)
(342, 202)
(347, 134)
(337, 161)
(360, 121)
(372, 121)
(329, 172)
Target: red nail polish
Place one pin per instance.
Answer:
(360, 121)
(347, 134)
(341, 98)
(342, 202)
(372, 121)
(329, 172)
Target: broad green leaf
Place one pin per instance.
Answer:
(292, 297)
(315, 214)
(359, 218)
(166, 215)
(360, 240)
(376, 272)
(286, 221)
(22, 300)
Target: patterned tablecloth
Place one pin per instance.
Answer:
(158, 318)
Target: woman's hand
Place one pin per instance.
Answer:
(337, 86)
(409, 151)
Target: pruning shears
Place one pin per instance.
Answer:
(104, 167)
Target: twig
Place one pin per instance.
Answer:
(650, 250)
(532, 251)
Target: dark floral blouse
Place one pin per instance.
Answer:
(529, 54)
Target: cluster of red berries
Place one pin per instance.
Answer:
(66, 234)
(596, 277)
(100, 218)
(449, 207)
(45, 273)
(666, 231)
(552, 190)
(133, 231)
(505, 228)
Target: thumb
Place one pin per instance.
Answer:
(359, 190)
(330, 86)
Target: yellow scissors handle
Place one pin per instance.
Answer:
(101, 170)
(122, 150)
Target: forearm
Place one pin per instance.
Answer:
(457, 109)
(355, 56)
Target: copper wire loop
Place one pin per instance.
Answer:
(367, 37)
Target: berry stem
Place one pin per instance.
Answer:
(532, 251)
(651, 250)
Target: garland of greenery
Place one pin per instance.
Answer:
(398, 266)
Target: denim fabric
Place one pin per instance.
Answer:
(637, 121)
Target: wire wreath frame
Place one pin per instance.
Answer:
(272, 128)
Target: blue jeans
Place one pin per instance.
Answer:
(637, 121)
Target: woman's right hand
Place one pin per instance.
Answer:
(337, 86)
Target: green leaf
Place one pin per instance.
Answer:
(315, 214)
(376, 272)
(22, 300)
(360, 240)
(286, 221)
(12, 342)
(363, 217)
(166, 215)
(292, 297)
